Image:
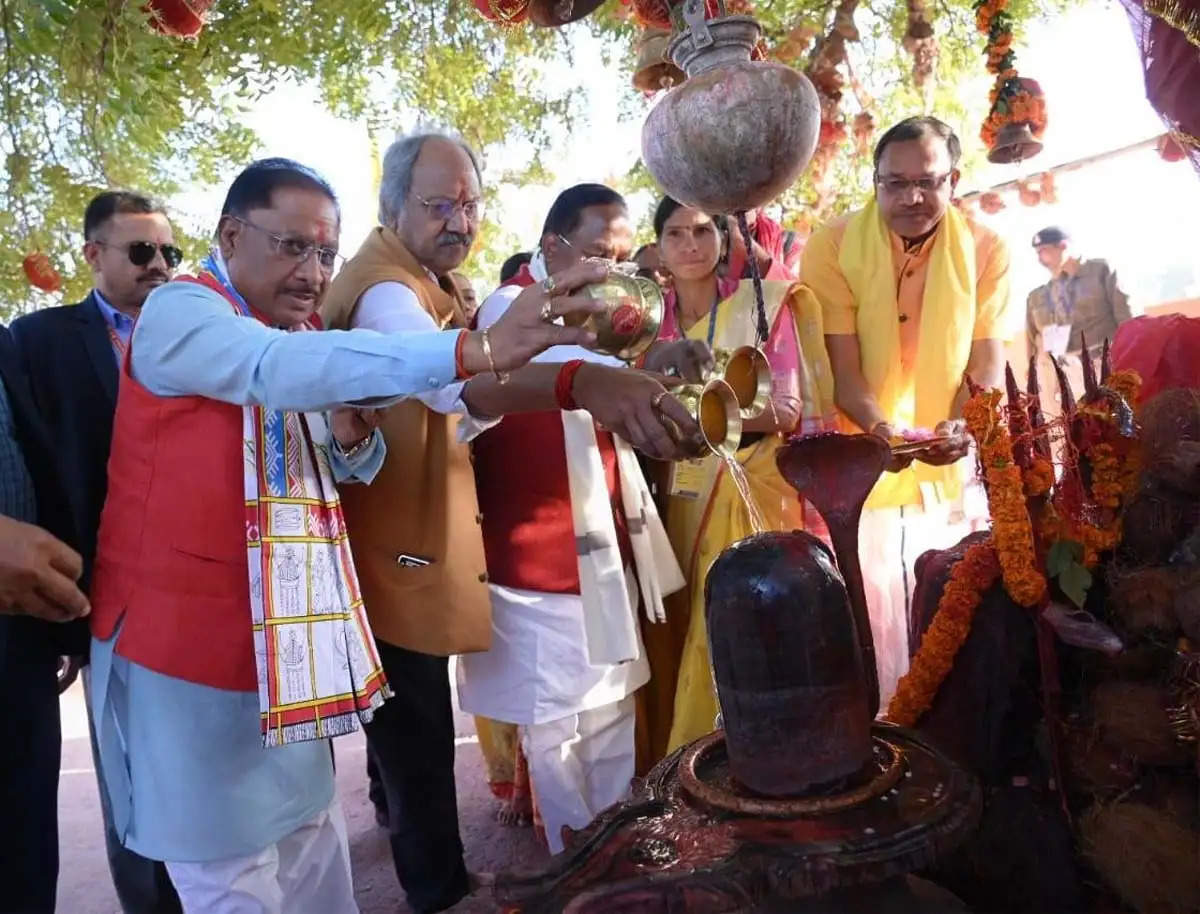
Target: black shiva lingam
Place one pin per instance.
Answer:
(803, 803)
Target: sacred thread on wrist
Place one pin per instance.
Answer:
(460, 368)
(564, 383)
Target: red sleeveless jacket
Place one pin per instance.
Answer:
(525, 498)
(171, 556)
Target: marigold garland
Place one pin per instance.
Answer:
(1106, 475)
(1039, 477)
(969, 580)
(1127, 383)
(1013, 100)
(1014, 105)
(1012, 530)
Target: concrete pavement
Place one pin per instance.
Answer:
(84, 886)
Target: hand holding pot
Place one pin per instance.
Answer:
(528, 326)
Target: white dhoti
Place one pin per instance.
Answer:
(890, 542)
(580, 765)
(305, 872)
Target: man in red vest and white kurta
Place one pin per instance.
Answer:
(228, 635)
(574, 545)
(416, 530)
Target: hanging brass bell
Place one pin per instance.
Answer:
(1014, 143)
(655, 70)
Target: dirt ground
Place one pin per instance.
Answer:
(84, 886)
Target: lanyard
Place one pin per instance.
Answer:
(119, 345)
(1066, 298)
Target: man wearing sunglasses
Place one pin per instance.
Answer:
(72, 357)
(913, 295)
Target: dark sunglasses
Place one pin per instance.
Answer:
(141, 253)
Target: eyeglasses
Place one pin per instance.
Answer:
(928, 185)
(297, 249)
(628, 267)
(140, 253)
(444, 209)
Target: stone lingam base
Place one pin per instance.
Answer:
(691, 839)
(841, 809)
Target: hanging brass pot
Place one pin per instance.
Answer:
(748, 374)
(715, 409)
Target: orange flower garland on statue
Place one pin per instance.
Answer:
(1127, 383)
(1011, 527)
(1039, 478)
(969, 580)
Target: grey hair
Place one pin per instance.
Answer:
(398, 163)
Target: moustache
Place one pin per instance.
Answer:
(154, 274)
(446, 239)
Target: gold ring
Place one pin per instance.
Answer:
(547, 312)
(549, 285)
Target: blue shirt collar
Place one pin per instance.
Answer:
(120, 322)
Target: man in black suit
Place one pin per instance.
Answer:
(71, 355)
(38, 600)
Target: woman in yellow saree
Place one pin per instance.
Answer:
(707, 514)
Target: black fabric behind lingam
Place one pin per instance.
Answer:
(986, 716)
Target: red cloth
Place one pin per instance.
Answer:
(1163, 350)
(525, 500)
(525, 497)
(1171, 62)
(171, 557)
(524, 278)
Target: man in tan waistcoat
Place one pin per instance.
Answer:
(415, 532)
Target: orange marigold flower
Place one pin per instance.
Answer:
(1039, 478)
(1012, 530)
(969, 580)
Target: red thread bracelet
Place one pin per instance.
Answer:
(460, 370)
(564, 382)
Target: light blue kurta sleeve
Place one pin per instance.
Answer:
(363, 466)
(190, 342)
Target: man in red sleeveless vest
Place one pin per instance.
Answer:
(422, 505)
(573, 545)
(228, 635)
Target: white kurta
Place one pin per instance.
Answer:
(576, 717)
(538, 670)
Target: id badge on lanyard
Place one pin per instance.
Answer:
(688, 478)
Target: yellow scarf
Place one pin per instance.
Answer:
(947, 323)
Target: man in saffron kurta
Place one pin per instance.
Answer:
(229, 640)
(913, 294)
